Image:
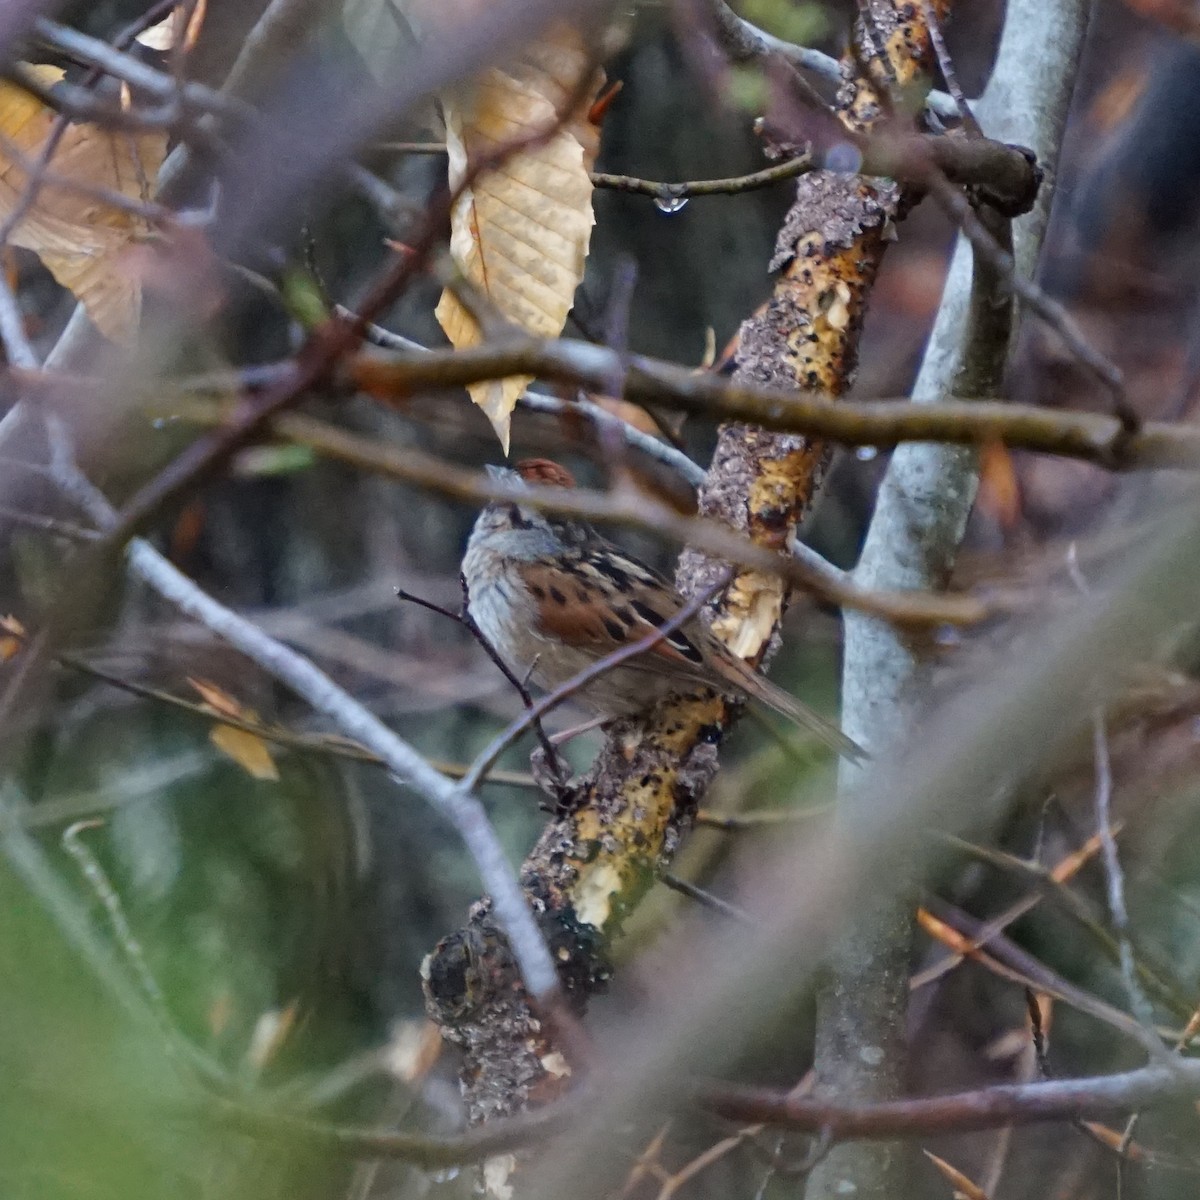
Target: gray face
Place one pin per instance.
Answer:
(504, 515)
(510, 528)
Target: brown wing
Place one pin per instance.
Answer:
(636, 602)
(599, 602)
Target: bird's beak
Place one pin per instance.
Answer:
(503, 475)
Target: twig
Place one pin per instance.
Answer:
(99, 882)
(604, 421)
(385, 339)
(1093, 437)
(1054, 884)
(641, 512)
(305, 743)
(984, 1108)
(948, 73)
(706, 899)
(738, 822)
(1115, 878)
(45, 524)
(1011, 961)
(687, 189)
(1054, 314)
(466, 621)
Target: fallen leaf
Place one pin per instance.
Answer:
(520, 233)
(77, 236)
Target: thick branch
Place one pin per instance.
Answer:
(1093, 437)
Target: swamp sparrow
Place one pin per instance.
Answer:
(553, 596)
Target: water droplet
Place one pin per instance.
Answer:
(669, 202)
(866, 453)
(444, 1175)
(843, 156)
(947, 635)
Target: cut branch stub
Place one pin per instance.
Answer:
(593, 864)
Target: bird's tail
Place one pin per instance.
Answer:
(764, 691)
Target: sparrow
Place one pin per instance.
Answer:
(553, 596)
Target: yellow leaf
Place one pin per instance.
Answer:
(246, 749)
(520, 233)
(217, 698)
(78, 237)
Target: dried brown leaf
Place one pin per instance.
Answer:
(78, 237)
(520, 233)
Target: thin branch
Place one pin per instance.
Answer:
(464, 619)
(99, 882)
(705, 899)
(739, 822)
(948, 73)
(1053, 883)
(1115, 878)
(961, 1112)
(1011, 961)
(672, 193)
(304, 743)
(1051, 311)
(746, 42)
(454, 801)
